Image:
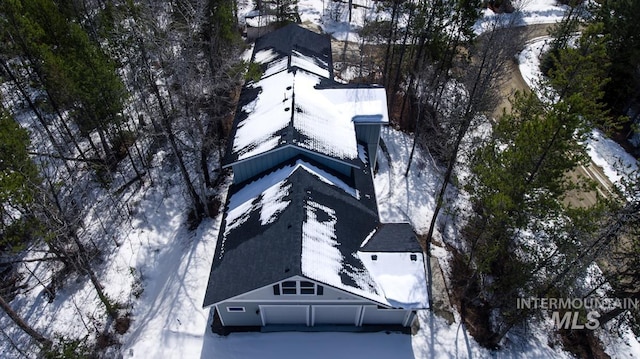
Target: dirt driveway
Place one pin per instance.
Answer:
(515, 82)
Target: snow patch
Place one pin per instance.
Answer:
(321, 258)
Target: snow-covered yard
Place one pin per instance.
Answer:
(171, 264)
(169, 322)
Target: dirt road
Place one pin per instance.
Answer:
(514, 82)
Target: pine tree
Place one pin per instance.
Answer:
(73, 70)
(620, 21)
(518, 183)
(17, 173)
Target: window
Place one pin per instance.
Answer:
(235, 309)
(289, 287)
(293, 287)
(307, 288)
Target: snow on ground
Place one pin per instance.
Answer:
(405, 199)
(528, 12)
(616, 163)
(169, 322)
(173, 263)
(529, 60)
(411, 199)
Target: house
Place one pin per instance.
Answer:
(301, 245)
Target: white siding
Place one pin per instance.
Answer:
(250, 317)
(329, 294)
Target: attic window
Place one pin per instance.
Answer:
(294, 287)
(413, 257)
(289, 287)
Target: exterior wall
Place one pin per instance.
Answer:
(374, 315)
(369, 134)
(242, 171)
(329, 294)
(255, 32)
(250, 317)
(311, 313)
(333, 307)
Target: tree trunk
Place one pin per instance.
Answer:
(23, 325)
(390, 40)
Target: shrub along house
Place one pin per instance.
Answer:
(301, 245)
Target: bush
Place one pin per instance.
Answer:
(68, 349)
(254, 72)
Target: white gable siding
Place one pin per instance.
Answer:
(331, 294)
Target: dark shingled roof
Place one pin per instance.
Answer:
(293, 37)
(316, 50)
(393, 237)
(252, 255)
(314, 220)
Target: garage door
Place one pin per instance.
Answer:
(336, 314)
(375, 315)
(284, 314)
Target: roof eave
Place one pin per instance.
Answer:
(230, 164)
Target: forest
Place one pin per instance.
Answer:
(98, 95)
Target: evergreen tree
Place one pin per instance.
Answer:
(620, 21)
(518, 184)
(73, 70)
(17, 176)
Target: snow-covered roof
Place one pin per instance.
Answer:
(288, 110)
(363, 104)
(400, 277)
(267, 194)
(301, 219)
(297, 103)
(396, 278)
